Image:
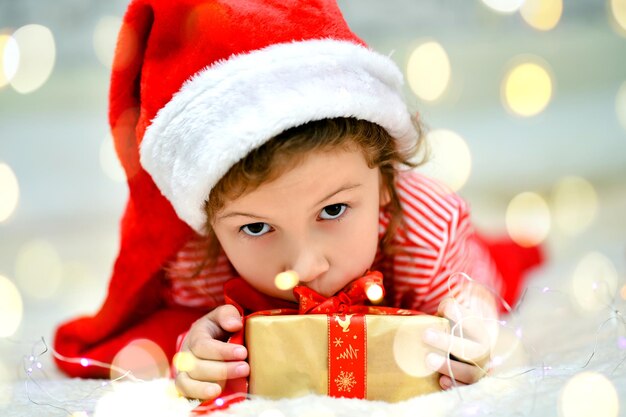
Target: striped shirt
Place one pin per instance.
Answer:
(435, 247)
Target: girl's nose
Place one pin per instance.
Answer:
(310, 264)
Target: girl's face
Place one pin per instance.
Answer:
(319, 219)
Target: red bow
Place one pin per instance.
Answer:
(355, 293)
(248, 300)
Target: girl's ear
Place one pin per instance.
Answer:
(385, 195)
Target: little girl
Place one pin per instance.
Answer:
(261, 136)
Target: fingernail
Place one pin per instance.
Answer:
(212, 391)
(241, 370)
(240, 352)
(233, 322)
(430, 336)
(434, 361)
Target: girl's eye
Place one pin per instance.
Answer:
(255, 229)
(333, 211)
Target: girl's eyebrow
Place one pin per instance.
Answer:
(334, 193)
(240, 213)
(261, 218)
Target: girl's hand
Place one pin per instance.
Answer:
(214, 360)
(469, 344)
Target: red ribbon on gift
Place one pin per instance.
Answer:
(347, 332)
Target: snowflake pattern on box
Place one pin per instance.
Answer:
(345, 381)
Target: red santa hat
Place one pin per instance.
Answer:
(196, 85)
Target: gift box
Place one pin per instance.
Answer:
(377, 357)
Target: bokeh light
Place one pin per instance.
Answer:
(527, 88)
(450, 159)
(144, 358)
(428, 71)
(528, 219)
(409, 351)
(620, 105)
(588, 394)
(504, 6)
(11, 308)
(38, 269)
(618, 15)
(9, 58)
(574, 204)
(6, 392)
(374, 293)
(109, 162)
(594, 282)
(286, 280)
(508, 352)
(37, 53)
(542, 14)
(184, 361)
(104, 39)
(9, 192)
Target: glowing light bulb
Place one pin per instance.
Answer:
(184, 361)
(588, 394)
(528, 219)
(37, 53)
(84, 362)
(374, 293)
(38, 269)
(594, 281)
(428, 71)
(109, 162)
(144, 358)
(618, 13)
(451, 159)
(542, 14)
(504, 6)
(527, 87)
(11, 307)
(9, 192)
(286, 280)
(9, 58)
(575, 204)
(104, 36)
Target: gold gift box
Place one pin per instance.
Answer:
(288, 356)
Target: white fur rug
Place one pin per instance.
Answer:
(569, 362)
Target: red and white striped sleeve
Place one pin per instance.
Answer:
(436, 245)
(192, 282)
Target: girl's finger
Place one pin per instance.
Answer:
(462, 348)
(218, 371)
(445, 382)
(192, 388)
(459, 371)
(213, 349)
(465, 321)
(228, 318)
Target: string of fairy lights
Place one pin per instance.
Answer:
(34, 371)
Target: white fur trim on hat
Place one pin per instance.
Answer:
(234, 106)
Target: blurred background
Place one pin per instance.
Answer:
(525, 102)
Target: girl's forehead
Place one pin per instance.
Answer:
(314, 175)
